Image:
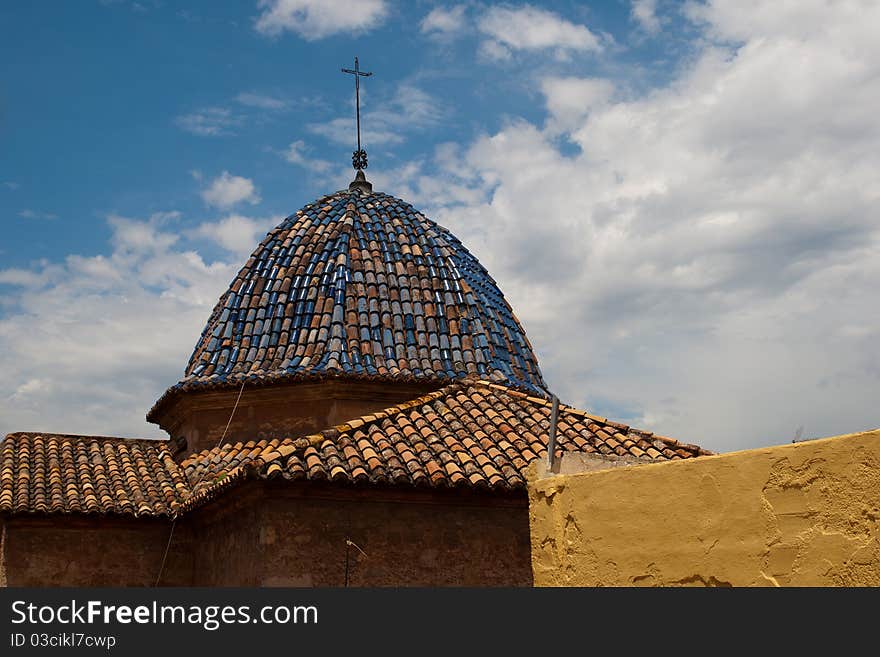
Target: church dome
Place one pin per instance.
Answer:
(361, 285)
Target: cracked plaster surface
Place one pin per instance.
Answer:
(804, 514)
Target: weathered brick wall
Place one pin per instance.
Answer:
(268, 534)
(278, 410)
(3, 551)
(226, 545)
(68, 551)
(296, 536)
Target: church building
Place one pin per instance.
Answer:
(360, 409)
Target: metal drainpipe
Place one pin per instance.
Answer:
(551, 441)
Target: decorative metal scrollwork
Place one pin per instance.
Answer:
(359, 159)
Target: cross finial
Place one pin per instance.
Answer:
(358, 157)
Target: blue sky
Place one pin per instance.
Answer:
(96, 106)
(678, 199)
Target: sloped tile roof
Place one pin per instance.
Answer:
(472, 434)
(51, 473)
(361, 285)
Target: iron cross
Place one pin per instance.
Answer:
(359, 157)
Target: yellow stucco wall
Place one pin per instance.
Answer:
(803, 514)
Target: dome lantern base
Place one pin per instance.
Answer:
(360, 183)
(196, 419)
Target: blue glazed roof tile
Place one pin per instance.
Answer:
(361, 284)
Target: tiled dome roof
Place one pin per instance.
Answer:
(362, 284)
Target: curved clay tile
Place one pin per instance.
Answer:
(362, 284)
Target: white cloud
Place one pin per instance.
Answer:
(494, 51)
(705, 263)
(25, 277)
(569, 100)
(805, 19)
(260, 101)
(220, 121)
(644, 12)
(533, 29)
(342, 130)
(236, 233)
(227, 190)
(296, 153)
(316, 19)
(700, 259)
(444, 22)
(135, 236)
(88, 344)
(27, 213)
(209, 122)
(417, 182)
(410, 109)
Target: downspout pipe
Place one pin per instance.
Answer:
(551, 441)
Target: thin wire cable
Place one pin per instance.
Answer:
(231, 415)
(165, 556)
(198, 481)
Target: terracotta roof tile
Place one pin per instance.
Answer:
(471, 433)
(53, 473)
(434, 440)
